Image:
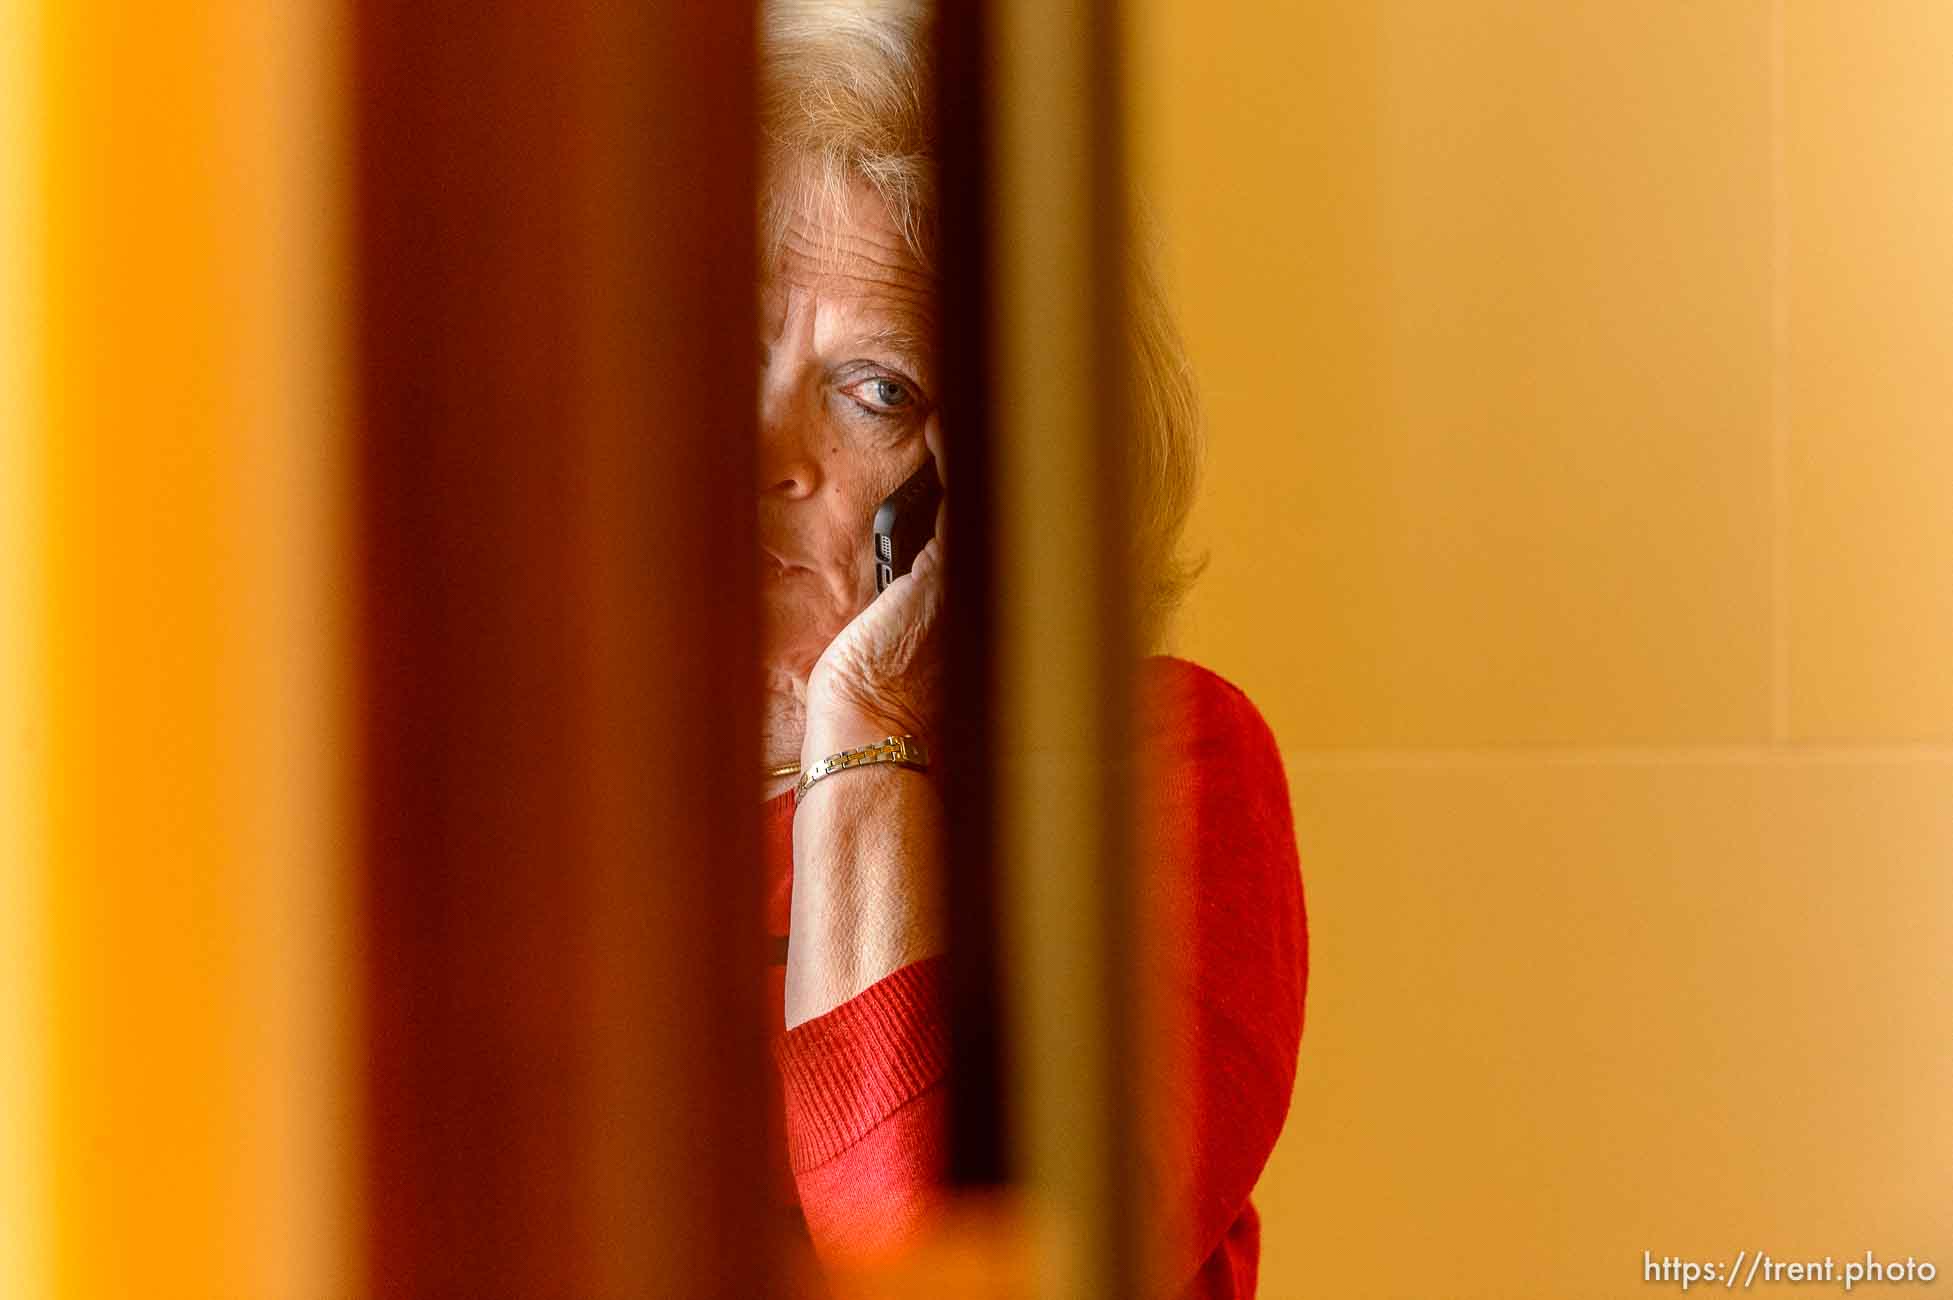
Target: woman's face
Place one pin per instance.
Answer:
(846, 319)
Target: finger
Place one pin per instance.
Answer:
(932, 435)
(927, 561)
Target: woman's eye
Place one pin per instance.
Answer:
(882, 394)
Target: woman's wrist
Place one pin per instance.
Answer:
(833, 730)
(866, 849)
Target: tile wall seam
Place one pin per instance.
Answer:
(1779, 344)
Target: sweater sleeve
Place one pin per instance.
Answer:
(864, 1084)
(864, 1106)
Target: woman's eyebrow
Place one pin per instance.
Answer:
(901, 340)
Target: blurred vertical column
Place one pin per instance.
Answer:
(1064, 629)
(981, 1155)
(557, 363)
(176, 434)
(24, 1174)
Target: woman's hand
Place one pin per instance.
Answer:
(882, 675)
(867, 848)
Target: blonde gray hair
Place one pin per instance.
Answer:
(846, 95)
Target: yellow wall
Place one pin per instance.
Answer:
(1580, 503)
(176, 1081)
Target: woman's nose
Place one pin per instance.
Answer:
(787, 464)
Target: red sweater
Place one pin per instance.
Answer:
(862, 1095)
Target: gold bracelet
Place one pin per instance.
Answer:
(904, 751)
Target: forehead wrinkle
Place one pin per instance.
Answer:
(850, 239)
(841, 249)
(851, 279)
(901, 309)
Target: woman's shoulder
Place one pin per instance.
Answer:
(1187, 704)
(1222, 818)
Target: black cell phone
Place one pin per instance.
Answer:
(905, 522)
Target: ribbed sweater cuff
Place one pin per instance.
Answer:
(848, 1070)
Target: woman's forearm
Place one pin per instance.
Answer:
(866, 849)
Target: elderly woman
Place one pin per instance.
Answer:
(847, 413)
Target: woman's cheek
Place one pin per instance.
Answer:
(799, 622)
